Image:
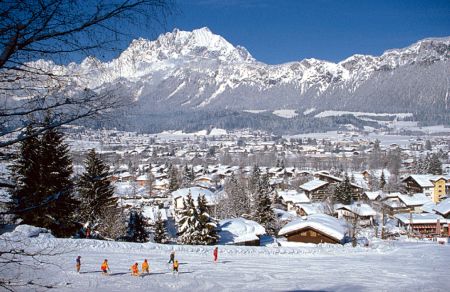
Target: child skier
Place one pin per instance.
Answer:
(78, 265)
(105, 267)
(175, 267)
(216, 254)
(172, 257)
(135, 269)
(145, 267)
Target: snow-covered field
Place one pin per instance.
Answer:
(385, 266)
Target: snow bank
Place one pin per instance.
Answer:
(27, 231)
(239, 230)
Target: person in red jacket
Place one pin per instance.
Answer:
(216, 254)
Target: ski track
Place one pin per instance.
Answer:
(383, 267)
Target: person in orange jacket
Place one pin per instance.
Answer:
(175, 267)
(105, 267)
(135, 270)
(145, 267)
(216, 254)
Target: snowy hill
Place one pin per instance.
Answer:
(394, 266)
(199, 70)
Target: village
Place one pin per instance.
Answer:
(395, 191)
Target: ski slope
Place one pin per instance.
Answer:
(385, 266)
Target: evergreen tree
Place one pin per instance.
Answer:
(174, 183)
(160, 235)
(136, 228)
(207, 226)
(95, 192)
(343, 191)
(382, 180)
(434, 164)
(57, 185)
(188, 222)
(26, 173)
(263, 213)
(254, 179)
(188, 177)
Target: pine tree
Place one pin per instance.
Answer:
(160, 235)
(207, 226)
(188, 177)
(95, 192)
(56, 184)
(343, 191)
(382, 180)
(254, 179)
(26, 173)
(174, 183)
(263, 213)
(434, 164)
(188, 222)
(136, 228)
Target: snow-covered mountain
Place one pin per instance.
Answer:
(201, 70)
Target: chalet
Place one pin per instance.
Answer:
(443, 208)
(401, 203)
(310, 209)
(291, 198)
(240, 231)
(431, 185)
(363, 212)
(142, 180)
(424, 224)
(319, 228)
(315, 189)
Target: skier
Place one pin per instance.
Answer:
(105, 267)
(135, 269)
(78, 265)
(216, 254)
(145, 267)
(172, 257)
(175, 267)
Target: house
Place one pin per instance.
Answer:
(363, 212)
(371, 196)
(318, 228)
(402, 203)
(240, 231)
(315, 189)
(443, 208)
(431, 185)
(291, 198)
(424, 224)
(310, 209)
(179, 195)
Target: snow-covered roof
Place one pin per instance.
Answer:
(313, 185)
(414, 200)
(312, 208)
(428, 207)
(373, 195)
(320, 222)
(423, 180)
(195, 192)
(423, 218)
(443, 207)
(293, 196)
(239, 230)
(360, 209)
(285, 215)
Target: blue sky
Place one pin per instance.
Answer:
(289, 30)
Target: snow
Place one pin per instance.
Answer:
(293, 196)
(313, 184)
(397, 266)
(285, 113)
(331, 113)
(443, 207)
(372, 195)
(254, 111)
(321, 222)
(195, 192)
(423, 218)
(239, 230)
(358, 208)
(27, 231)
(218, 132)
(418, 199)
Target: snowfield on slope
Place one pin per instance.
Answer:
(385, 266)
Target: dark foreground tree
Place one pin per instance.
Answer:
(95, 192)
(136, 228)
(160, 235)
